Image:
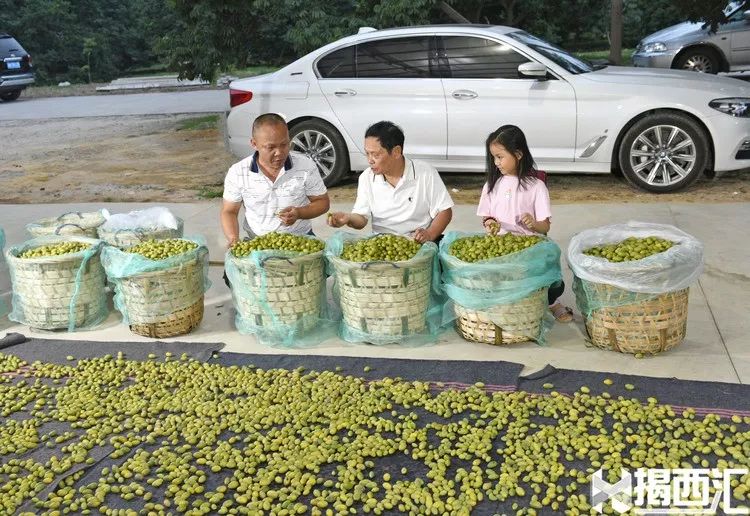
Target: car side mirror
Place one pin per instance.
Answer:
(533, 71)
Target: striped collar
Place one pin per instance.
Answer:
(254, 163)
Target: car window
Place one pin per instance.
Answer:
(338, 64)
(479, 58)
(555, 54)
(394, 58)
(8, 45)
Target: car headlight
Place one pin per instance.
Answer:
(650, 48)
(738, 106)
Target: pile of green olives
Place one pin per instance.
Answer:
(484, 247)
(390, 248)
(630, 249)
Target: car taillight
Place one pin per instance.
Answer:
(237, 97)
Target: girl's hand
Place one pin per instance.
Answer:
(529, 221)
(492, 226)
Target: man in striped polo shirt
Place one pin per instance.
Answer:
(281, 190)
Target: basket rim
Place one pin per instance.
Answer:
(52, 239)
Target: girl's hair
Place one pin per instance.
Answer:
(513, 139)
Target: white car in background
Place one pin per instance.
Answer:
(449, 86)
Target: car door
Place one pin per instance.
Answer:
(483, 91)
(388, 79)
(738, 31)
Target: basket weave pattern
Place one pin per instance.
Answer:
(503, 324)
(43, 288)
(290, 287)
(385, 299)
(649, 326)
(167, 302)
(124, 238)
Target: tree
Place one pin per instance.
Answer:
(709, 11)
(615, 34)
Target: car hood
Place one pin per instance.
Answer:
(675, 32)
(622, 75)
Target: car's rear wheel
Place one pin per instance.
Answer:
(323, 143)
(699, 60)
(11, 95)
(664, 152)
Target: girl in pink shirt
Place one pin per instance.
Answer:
(514, 200)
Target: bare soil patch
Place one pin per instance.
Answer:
(172, 159)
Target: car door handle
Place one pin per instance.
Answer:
(464, 94)
(345, 93)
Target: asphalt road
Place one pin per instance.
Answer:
(200, 101)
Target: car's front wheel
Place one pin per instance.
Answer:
(323, 143)
(10, 95)
(698, 60)
(664, 152)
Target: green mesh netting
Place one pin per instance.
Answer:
(61, 291)
(488, 286)
(147, 290)
(3, 266)
(599, 283)
(280, 297)
(386, 302)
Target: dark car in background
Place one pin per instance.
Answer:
(16, 70)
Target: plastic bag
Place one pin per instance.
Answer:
(674, 269)
(148, 219)
(60, 291)
(485, 285)
(386, 302)
(123, 268)
(280, 297)
(70, 223)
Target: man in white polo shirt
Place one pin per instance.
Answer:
(402, 196)
(281, 190)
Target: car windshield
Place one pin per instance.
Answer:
(556, 54)
(732, 7)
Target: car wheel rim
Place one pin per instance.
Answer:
(662, 155)
(698, 63)
(318, 147)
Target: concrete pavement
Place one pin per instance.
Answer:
(717, 346)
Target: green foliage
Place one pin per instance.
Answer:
(68, 39)
(709, 11)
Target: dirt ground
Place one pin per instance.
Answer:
(173, 159)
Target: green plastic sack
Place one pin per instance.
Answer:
(504, 280)
(280, 297)
(122, 267)
(58, 292)
(386, 302)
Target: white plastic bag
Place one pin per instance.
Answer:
(674, 269)
(149, 219)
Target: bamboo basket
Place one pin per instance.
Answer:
(68, 224)
(167, 302)
(280, 290)
(124, 238)
(385, 299)
(503, 324)
(646, 326)
(44, 288)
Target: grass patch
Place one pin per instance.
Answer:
(211, 192)
(627, 55)
(198, 123)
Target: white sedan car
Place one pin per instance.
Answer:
(449, 86)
